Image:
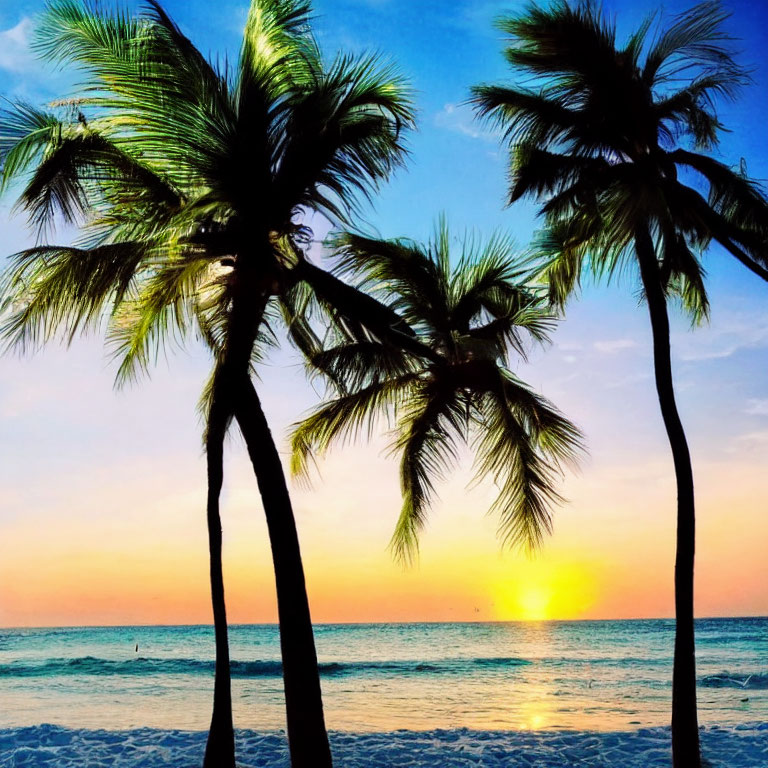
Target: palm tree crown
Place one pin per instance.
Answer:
(600, 141)
(187, 177)
(458, 387)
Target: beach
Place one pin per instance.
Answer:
(589, 693)
(740, 747)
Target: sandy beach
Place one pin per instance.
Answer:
(743, 746)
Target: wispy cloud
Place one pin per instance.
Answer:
(753, 440)
(757, 407)
(612, 346)
(459, 118)
(569, 346)
(628, 380)
(15, 53)
(733, 333)
(473, 17)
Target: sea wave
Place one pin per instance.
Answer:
(731, 638)
(141, 666)
(757, 681)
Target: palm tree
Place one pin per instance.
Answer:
(458, 388)
(597, 139)
(188, 180)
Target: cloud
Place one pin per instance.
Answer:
(733, 333)
(15, 53)
(569, 346)
(624, 381)
(614, 345)
(474, 17)
(753, 440)
(459, 118)
(757, 407)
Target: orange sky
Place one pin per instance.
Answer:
(106, 524)
(102, 493)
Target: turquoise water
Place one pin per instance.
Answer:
(610, 675)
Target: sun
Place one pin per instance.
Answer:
(542, 591)
(525, 601)
(533, 602)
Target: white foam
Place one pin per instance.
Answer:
(49, 746)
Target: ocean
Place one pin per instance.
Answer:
(548, 676)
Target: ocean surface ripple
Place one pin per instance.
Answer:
(548, 676)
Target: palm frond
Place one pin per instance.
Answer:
(485, 276)
(344, 418)
(691, 109)
(572, 41)
(359, 364)
(343, 137)
(49, 290)
(521, 441)
(562, 260)
(83, 34)
(527, 116)
(526, 486)
(736, 197)
(358, 313)
(82, 169)
(278, 50)
(706, 223)
(26, 133)
(426, 439)
(540, 173)
(686, 279)
(162, 310)
(557, 438)
(695, 40)
(398, 271)
(296, 308)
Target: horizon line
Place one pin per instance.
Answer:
(383, 623)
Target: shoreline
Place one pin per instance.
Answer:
(50, 746)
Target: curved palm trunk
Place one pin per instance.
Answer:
(220, 747)
(685, 728)
(234, 395)
(307, 736)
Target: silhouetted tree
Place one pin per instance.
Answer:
(597, 137)
(188, 180)
(456, 389)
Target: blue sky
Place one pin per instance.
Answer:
(81, 458)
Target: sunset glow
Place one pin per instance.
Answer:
(534, 603)
(102, 515)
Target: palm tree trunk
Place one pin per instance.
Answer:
(234, 395)
(685, 728)
(220, 747)
(307, 736)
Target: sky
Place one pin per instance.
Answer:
(102, 492)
